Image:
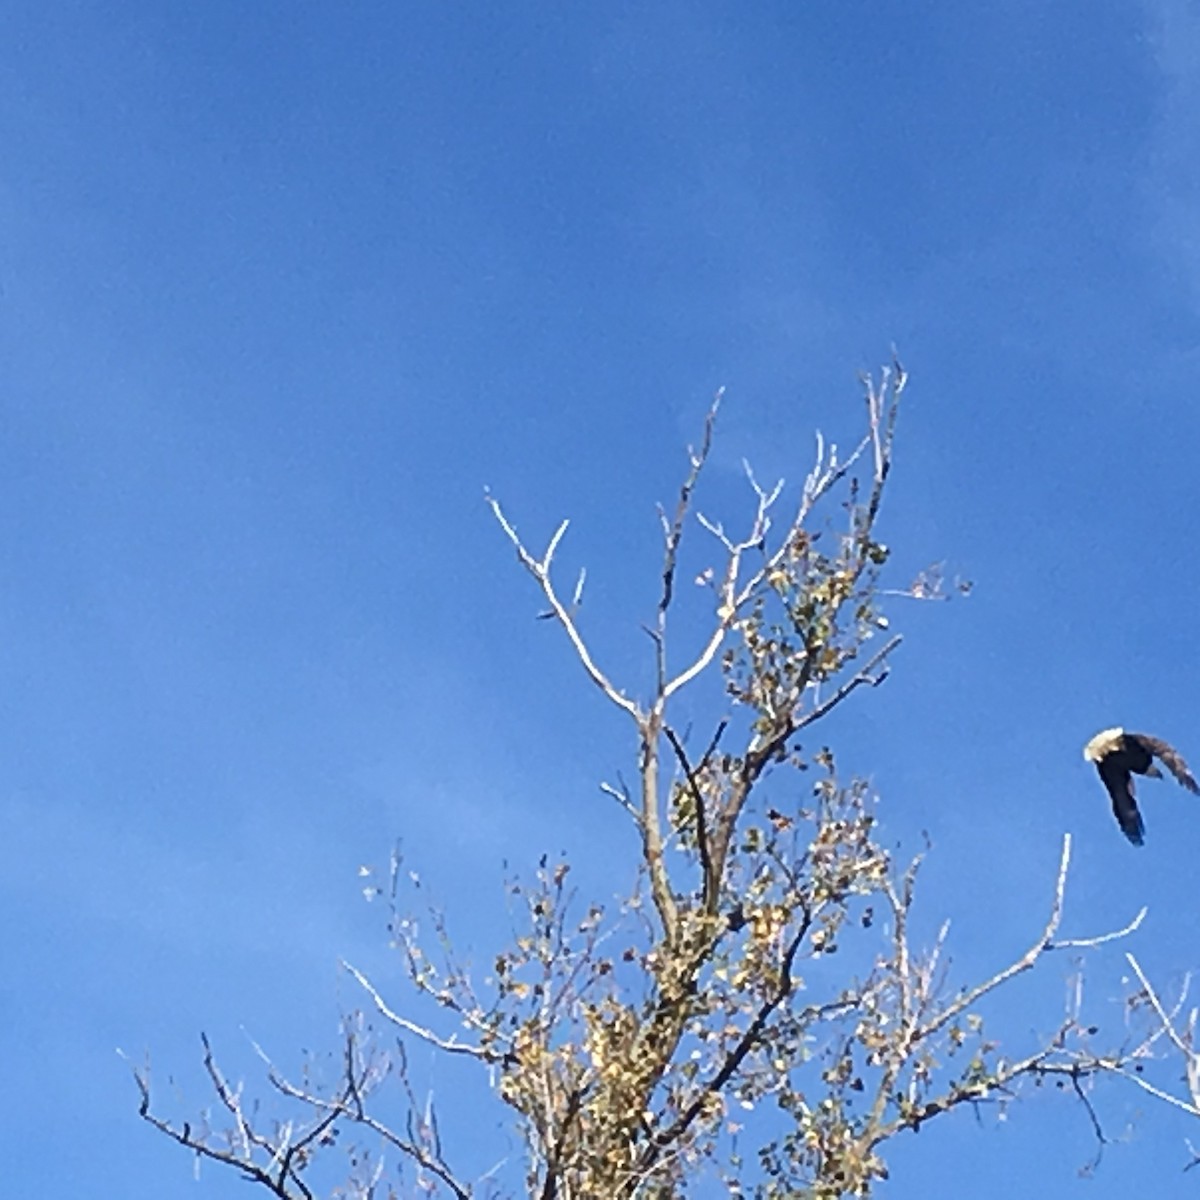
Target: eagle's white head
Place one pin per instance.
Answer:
(1104, 742)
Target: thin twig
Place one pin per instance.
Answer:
(673, 530)
(1167, 1024)
(1097, 1129)
(451, 1045)
(1082, 943)
(621, 796)
(864, 676)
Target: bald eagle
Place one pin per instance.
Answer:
(1118, 756)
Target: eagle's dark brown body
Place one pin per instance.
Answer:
(1119, 756)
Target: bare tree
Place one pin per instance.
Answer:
(706, 1025)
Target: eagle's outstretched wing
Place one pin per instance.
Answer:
(1171, 759)
(1119, 784)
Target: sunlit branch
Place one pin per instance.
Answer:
(1100, 939)
(540, 570)
(1024, 963)
(1167, 1023)
(451, 1045)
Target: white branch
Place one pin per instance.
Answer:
(1024, 963)
(1146, 1086)
(1168, 1025)
(1079, 943)
(451, 1045)
(540, 570)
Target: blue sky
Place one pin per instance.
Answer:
(283, 288)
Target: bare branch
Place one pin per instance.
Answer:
(1083, 943)
(729, 597)
(1024, 963)
(1168, 1024)
(865, 676)
(451, 1045)
(1115, 1066)
(350, 1106)
(540, 570)
(279, 1175)
(621, 796)
(673, 529)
